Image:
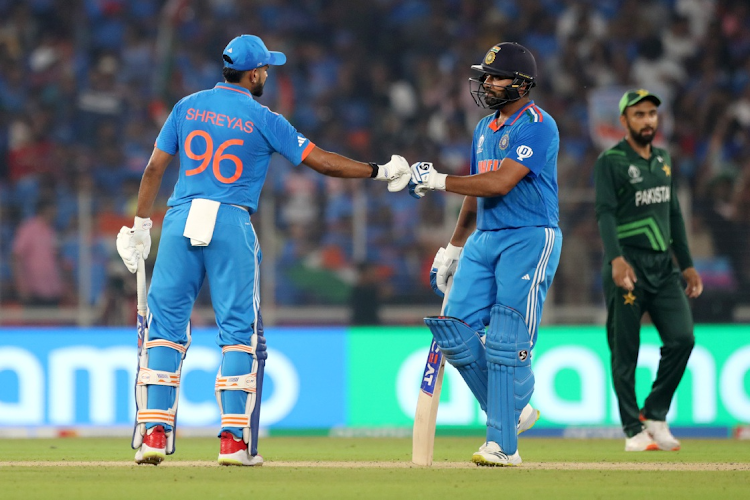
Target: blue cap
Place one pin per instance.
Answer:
(248, 52)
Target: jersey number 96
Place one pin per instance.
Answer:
(210, 154)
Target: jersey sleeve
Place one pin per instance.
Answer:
(167, 139)
(285, 139)
(679, 235)
(606, 207)
(530, 144)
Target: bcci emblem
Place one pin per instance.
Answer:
(489, 57)
(504, 141)
(635, 174)
(522, 355)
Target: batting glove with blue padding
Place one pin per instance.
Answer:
(425, 178)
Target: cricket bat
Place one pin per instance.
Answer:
(141, 303)
(141, 307)
(425, 418)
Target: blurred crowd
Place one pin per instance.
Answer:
(86, 84)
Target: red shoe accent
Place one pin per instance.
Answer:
(155, 438)
(230, 444)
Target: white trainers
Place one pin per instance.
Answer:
(528, 418)
(641, 442)
(659, 432)
(491, 455)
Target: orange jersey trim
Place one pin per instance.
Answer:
(307, 150)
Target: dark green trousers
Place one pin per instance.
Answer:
(659, 291)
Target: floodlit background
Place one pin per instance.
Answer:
(85, 86)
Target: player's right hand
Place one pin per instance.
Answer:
(134, 242)
(396, 172)
(447, 266)
(623, 274)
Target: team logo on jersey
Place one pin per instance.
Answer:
(635, 174)
(504, 141)
(300, 140)
(479, 144)
(524, 152)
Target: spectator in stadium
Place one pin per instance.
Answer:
(37, 269)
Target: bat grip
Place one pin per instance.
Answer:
(141, 304)
(448, 286)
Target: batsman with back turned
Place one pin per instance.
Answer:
(224, 139)
(504, 250)
(641, 226)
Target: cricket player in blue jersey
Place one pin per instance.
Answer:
(224, 139)
(505, 248)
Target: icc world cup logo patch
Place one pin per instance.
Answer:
(504, 141)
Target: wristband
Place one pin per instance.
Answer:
(375, 169)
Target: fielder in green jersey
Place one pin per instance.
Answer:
(640, 221)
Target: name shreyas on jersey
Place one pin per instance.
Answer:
(220, 120)
(661, 194)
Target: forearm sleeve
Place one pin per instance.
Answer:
(608, 231)
(679, 234)
(606, 209)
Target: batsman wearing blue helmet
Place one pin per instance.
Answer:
(224, 139)
(505, 248)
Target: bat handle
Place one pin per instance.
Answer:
(141, 304)
(448, 286)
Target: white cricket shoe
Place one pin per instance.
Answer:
(491, 455)
(659, 432)
(641, 442)
(154, 447)
(528, 418)
(233, 451)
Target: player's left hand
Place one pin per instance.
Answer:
(134, 242)
(395, 172)
(425, 178)
(439, 256)
(694, 283)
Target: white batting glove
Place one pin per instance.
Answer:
(426, 178)
(395, 173)
(134, 242)
(448, 266)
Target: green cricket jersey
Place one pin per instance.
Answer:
(636, 205)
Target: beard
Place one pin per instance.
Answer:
(498, 99)
(257, 91)
(644, 137)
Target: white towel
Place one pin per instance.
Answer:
(201, 220)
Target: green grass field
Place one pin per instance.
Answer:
(372, 468)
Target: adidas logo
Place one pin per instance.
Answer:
(300, 140)
(230, 50)
(525, 277)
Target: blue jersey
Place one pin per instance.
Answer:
(531, 138)
(225, 140)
